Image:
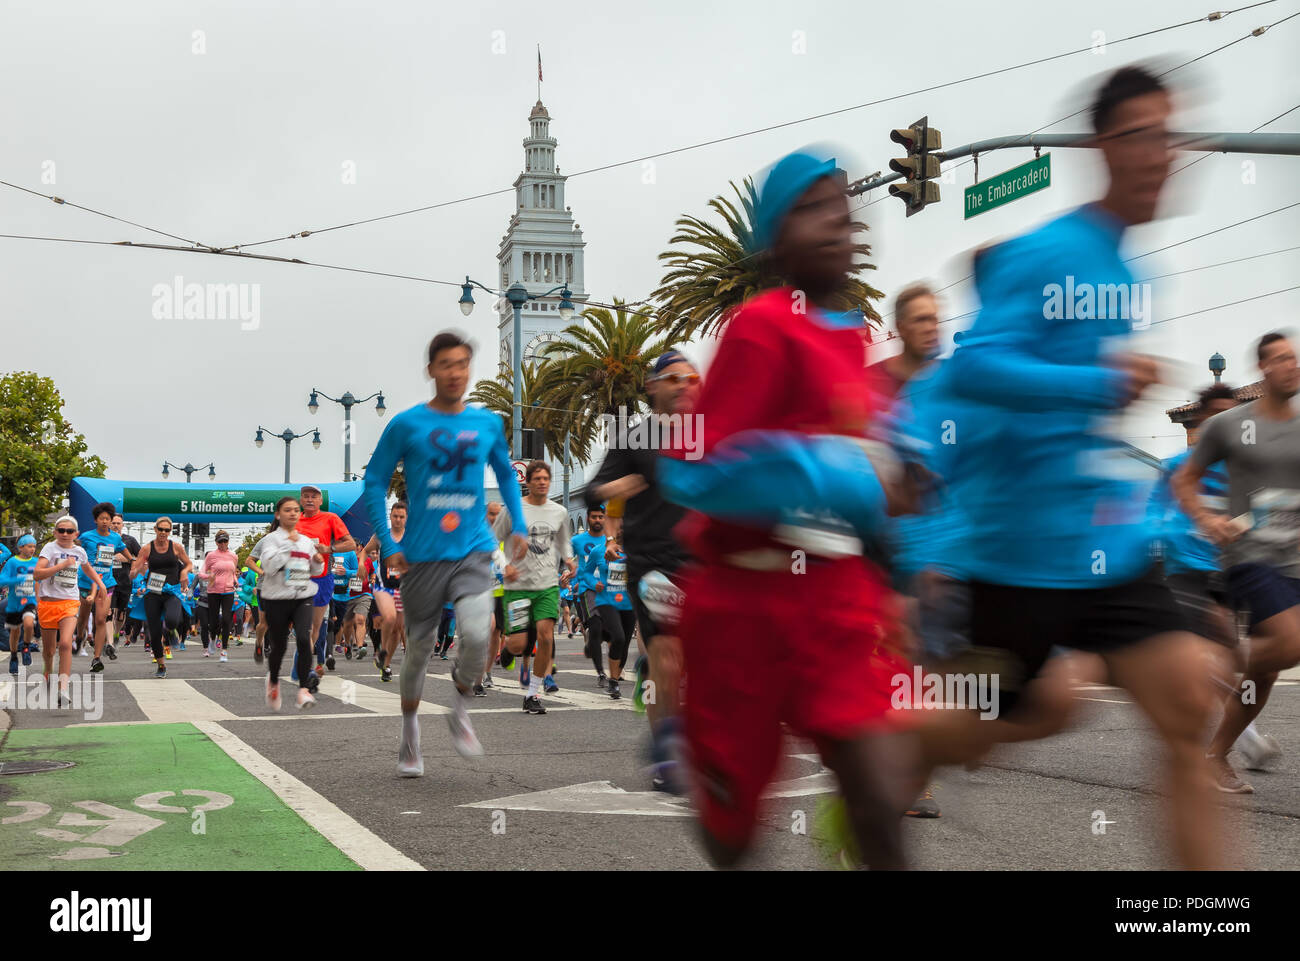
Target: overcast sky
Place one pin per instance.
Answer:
(251, 139)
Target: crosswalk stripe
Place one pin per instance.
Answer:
(388, 703)
(568, 696)
(165, 701)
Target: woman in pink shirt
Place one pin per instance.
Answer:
(219, 570)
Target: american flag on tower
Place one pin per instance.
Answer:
(539, 63)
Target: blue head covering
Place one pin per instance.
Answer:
(26, 539)
(786, 182)
(667, 359)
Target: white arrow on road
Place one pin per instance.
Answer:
(602, 797)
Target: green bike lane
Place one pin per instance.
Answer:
(147, 797)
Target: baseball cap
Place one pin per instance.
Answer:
(667, 359)
(309, 487)
(222, 536)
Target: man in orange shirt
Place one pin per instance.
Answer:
(327, 529)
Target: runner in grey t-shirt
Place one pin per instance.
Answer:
(1259, 445)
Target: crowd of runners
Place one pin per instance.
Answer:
(846, 520)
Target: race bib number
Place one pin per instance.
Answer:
(66, 579)
(27, 586)
(1277, 516)
(297, 571)
(354, 585)
(617, 575)
(156, 582)
(517, 614)
(339, 569)
(104, 556)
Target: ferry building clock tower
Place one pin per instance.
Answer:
(542, 247)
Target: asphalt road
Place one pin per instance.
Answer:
(533, 800)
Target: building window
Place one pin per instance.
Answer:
(534, 195)
(546, 268)
(568, 266)
(537, 267)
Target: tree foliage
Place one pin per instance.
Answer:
(713, 269)
(40, 453)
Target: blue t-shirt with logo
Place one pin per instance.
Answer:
(444, 457)
(17, 576)
(583, 545)
(100, 550)
(613, 579)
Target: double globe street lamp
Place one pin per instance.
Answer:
(518, 295)
(348, 401)
(189, 470)
(288, 437)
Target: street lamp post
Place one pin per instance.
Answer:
(288, 437)
(518, 295)
(348, 401)
(189, 470)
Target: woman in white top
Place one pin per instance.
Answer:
(60, 600)
(289, 562)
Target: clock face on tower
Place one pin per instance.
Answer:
(537, 347)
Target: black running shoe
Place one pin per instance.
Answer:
(533, 705)
(162, 671)
(257, 654)
(329, 662)
(111, 651)
(924, 807)
(479, 691)
(614, 691)
(601, 680)
(386, 674)
(96, 665)
(313, 682)
(347, 652)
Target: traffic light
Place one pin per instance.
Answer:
(918, 167)
(534, 444)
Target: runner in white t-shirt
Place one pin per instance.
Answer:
(60, 600)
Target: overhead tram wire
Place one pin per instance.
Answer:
(1216, 15)
(68, 203)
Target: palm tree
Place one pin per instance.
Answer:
(598, 367)
(498, 396)
(716, 269)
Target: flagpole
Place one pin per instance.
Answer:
(539, 73)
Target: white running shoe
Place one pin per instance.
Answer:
(305, 698)
(463, 738)
(223, 657)
(1261, 751)
(272, 694)
(409, 761)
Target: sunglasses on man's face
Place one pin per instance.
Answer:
(64, 530)
(163, 530)
(678, 378)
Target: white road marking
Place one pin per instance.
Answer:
(388, 703)
(165, 701)
(567, 696)
(354, 840)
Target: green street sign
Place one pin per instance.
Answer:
(191, 499)
(1011, 185)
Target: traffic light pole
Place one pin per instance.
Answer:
(1281, 144)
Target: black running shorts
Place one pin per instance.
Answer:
(1013, 629)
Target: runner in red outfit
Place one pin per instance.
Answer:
(812, 610)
